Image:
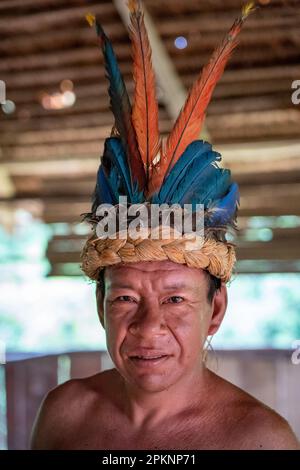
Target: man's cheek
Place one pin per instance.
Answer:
(112, 334)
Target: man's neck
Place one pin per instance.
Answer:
(146, 409)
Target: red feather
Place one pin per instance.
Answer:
(145, 108)
(189, 122)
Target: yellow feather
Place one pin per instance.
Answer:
(248, 9)
(90, 18)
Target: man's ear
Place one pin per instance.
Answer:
(219, 305)
(100, 304)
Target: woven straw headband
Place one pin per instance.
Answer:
(218, 258)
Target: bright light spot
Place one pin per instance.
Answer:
(265, 234)
(58, 100)
(8, 107)
(68, 98)
(180, 42)
(259, 234)
(46, 101)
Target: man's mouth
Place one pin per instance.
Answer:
(148, 359)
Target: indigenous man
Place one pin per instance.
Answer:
(161, 291)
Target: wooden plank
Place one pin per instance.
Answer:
(34, 23)
(213, 20)
(268, 80)
(271, 251)
(7, 5)
(26, 384)
(190, 6)
(251, 163)
(262, 266)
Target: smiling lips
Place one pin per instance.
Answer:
(148, 357)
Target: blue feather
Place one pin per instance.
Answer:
(117, 174)
(120, 102)
(195, 178)
(224, 210)
(121, 108)
(208, 188)
(104, 192)
(198, 154)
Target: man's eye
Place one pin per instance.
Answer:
(125, 298)
(175, 299)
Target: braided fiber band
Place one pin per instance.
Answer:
(218, 258)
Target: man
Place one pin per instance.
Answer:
(161, 288)
(160, 395)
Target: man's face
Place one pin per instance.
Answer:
(157, 316)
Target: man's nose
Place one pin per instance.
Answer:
(148, 321)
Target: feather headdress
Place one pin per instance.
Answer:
(181, 169)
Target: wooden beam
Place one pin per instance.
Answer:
(24, 122)
(257, 177)
(263, 124)
(184, 64)
(55, 76)
(261, 266)
(255, 81)
(59, 45)
(190, 6)
(217, 22)
(270, 251)
(7, 5)
(82, 105)
(90, 148)
(261, 155)
(58, 135)
(244, 159)
(263, 55)
(34, 23)
(249, 39)
(177, 6)
(58, 40)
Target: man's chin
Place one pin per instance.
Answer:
(152, 376)
(150, 384)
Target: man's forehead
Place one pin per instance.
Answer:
(162, 268)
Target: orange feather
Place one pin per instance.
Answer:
(189, 122)
(145, 107)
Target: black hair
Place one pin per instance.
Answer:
(214, 284)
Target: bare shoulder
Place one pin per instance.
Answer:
(63, 407)
(266, 429)
(253, 424)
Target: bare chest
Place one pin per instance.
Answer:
(111, 433)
